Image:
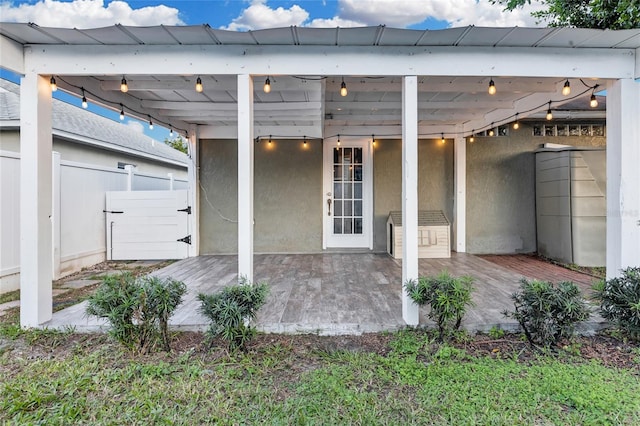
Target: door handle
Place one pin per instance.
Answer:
(328, 206)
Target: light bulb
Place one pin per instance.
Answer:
(199, 87)
(492, 87)
(343, 89)
(593, 102)
(549, 115)
(124, 88)
(170, 133)
(150, 125)
(84, 100)
(491, 132)
(54, 85)
(267, 86)
(566, 90)
(442, 141)
(472, 139)
(516, 124)
(121, 112)
(269, 139)
(338, 140)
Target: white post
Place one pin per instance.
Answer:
(55, 216)
(129, 169)
(623, 176)
(245, 176)
(170, 181)
(36, 257)
(460, 198)
(409, 194)
(194, 191)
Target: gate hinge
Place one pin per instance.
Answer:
(186, 210)
(186, 239)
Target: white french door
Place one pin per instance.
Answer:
(348, 193)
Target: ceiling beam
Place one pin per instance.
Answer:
(454, 85)
(425, 105)
(210, 84)
(228, 106)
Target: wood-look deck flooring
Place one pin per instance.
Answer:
(329, 293)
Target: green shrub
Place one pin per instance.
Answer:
(138, 309)
(546, 312)
(620, 301)
(231, 310)
(447, 296)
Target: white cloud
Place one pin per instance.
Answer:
(88, 14)
(402, 13)
(136, 126)
(336, 21)
(258, 15)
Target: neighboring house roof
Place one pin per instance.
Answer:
(75, 124)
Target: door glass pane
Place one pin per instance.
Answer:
(348, 226)
(347, 208)
(357, 173)
(337, 173)
(348, 193)
(357, 226)
(347, 172)
(337, 156)
(357, 190)
(357, 155)
(337, 190)
(347, 156)
(337, 208)
(357, 207)
(337, 226)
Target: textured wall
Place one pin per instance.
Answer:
(287, 203)
(435, 182)
(501, 216)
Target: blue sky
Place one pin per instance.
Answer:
(244, 15)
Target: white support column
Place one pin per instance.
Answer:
(245, 176)
(460, 194)
(409, 194)
(36, 254)
(194, 191)
(623, 176)
(55, 215)
(129, 169)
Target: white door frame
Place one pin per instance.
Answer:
(329, 240)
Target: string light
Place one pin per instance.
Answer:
(150, 123)
(124, 87)
(267, 86)
(472, 138)
(121, 112)
(549, 114)
(442, 141)
(170, 132)
(84, 100)
(593, 102)
(492, 87)
(305, 141)
(373, 140)
(269, 139)
(491, 132)
(199, 87)
(516, 124)
(566, 90)
(343, 88)
(53, 84)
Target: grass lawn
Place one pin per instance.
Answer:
(58, 378)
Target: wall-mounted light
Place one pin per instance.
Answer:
(85, 104)
(343, 88)
(267, 86)
(516, 124)
(199, 86)
(121, 112)
(492, 87)
(124, 87)
(549, 113)
(566, 90)
(53, 84)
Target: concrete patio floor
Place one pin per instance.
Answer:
(332, 293)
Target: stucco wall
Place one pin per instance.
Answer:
(501, 216)
(287, 202)
(288, 191)
(435, 182)
(81, 153)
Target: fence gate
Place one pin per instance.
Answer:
(147, 225)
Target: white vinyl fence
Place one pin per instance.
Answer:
(78, 212)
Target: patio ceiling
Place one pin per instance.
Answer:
(311, 104)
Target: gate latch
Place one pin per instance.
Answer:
(187, 210)
(186, 239)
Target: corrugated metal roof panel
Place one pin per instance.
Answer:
(274, 36)
(149, 35)
(318, 36)
(446, 37)
(399, 37)
(109, 35)
(483, 36)
(195, 34)
(233, 37)
(363, 36)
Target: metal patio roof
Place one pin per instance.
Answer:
(310, 104)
